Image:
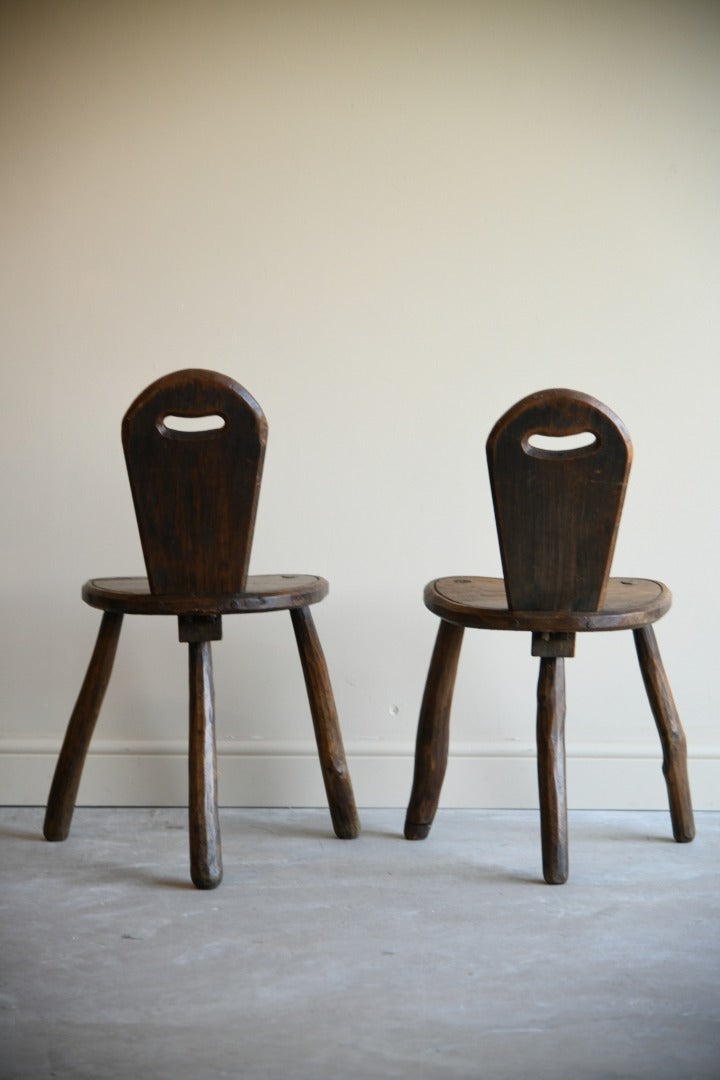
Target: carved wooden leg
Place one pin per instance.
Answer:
(433, 734)
(551, 769)
(205, 854)
(338, 785)
(66, 781)
(672, 736)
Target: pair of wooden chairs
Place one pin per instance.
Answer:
(194, 444)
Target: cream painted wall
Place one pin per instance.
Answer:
(389, 221)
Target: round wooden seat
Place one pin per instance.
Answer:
(481, 602)
(263, 592)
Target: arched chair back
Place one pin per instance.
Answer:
(196, 494)
(557, 510)
(195, 491)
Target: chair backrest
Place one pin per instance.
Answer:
(557, 510)
(195, 491)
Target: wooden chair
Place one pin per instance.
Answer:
(557, 512)
(195, 494)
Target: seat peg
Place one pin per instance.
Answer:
(546, 643)
(199, 628)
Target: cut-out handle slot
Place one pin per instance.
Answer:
(560, 444)
(192, 424)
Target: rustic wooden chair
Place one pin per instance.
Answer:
(195, 494)
(557, 512)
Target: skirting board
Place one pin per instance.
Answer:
(600, 776)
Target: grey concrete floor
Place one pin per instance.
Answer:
(369, 958)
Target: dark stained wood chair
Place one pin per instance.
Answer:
(195, 494)
(557, 511)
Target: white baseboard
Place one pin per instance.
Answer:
(600, 776)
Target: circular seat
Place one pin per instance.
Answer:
(481, 602)
(263, 592)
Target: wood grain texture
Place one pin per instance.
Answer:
(205, 851)
(263, 592)
(551, 769)
(195, 493)
(199, 628)
(480, 602)
(68, 771)
(433, 734)
(546, 644)
(335, 772)
(670, 730)
(557, 512)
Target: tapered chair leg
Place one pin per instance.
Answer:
(672, 736)
(551, 769)
(205, 854)
(68, 771)
(433, 734)
(331, 752)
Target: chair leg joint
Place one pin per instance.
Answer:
(194, 628)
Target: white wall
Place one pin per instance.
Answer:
(389, 221)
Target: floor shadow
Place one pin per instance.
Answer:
(170, 883)
(17, 834)
(383, 834)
